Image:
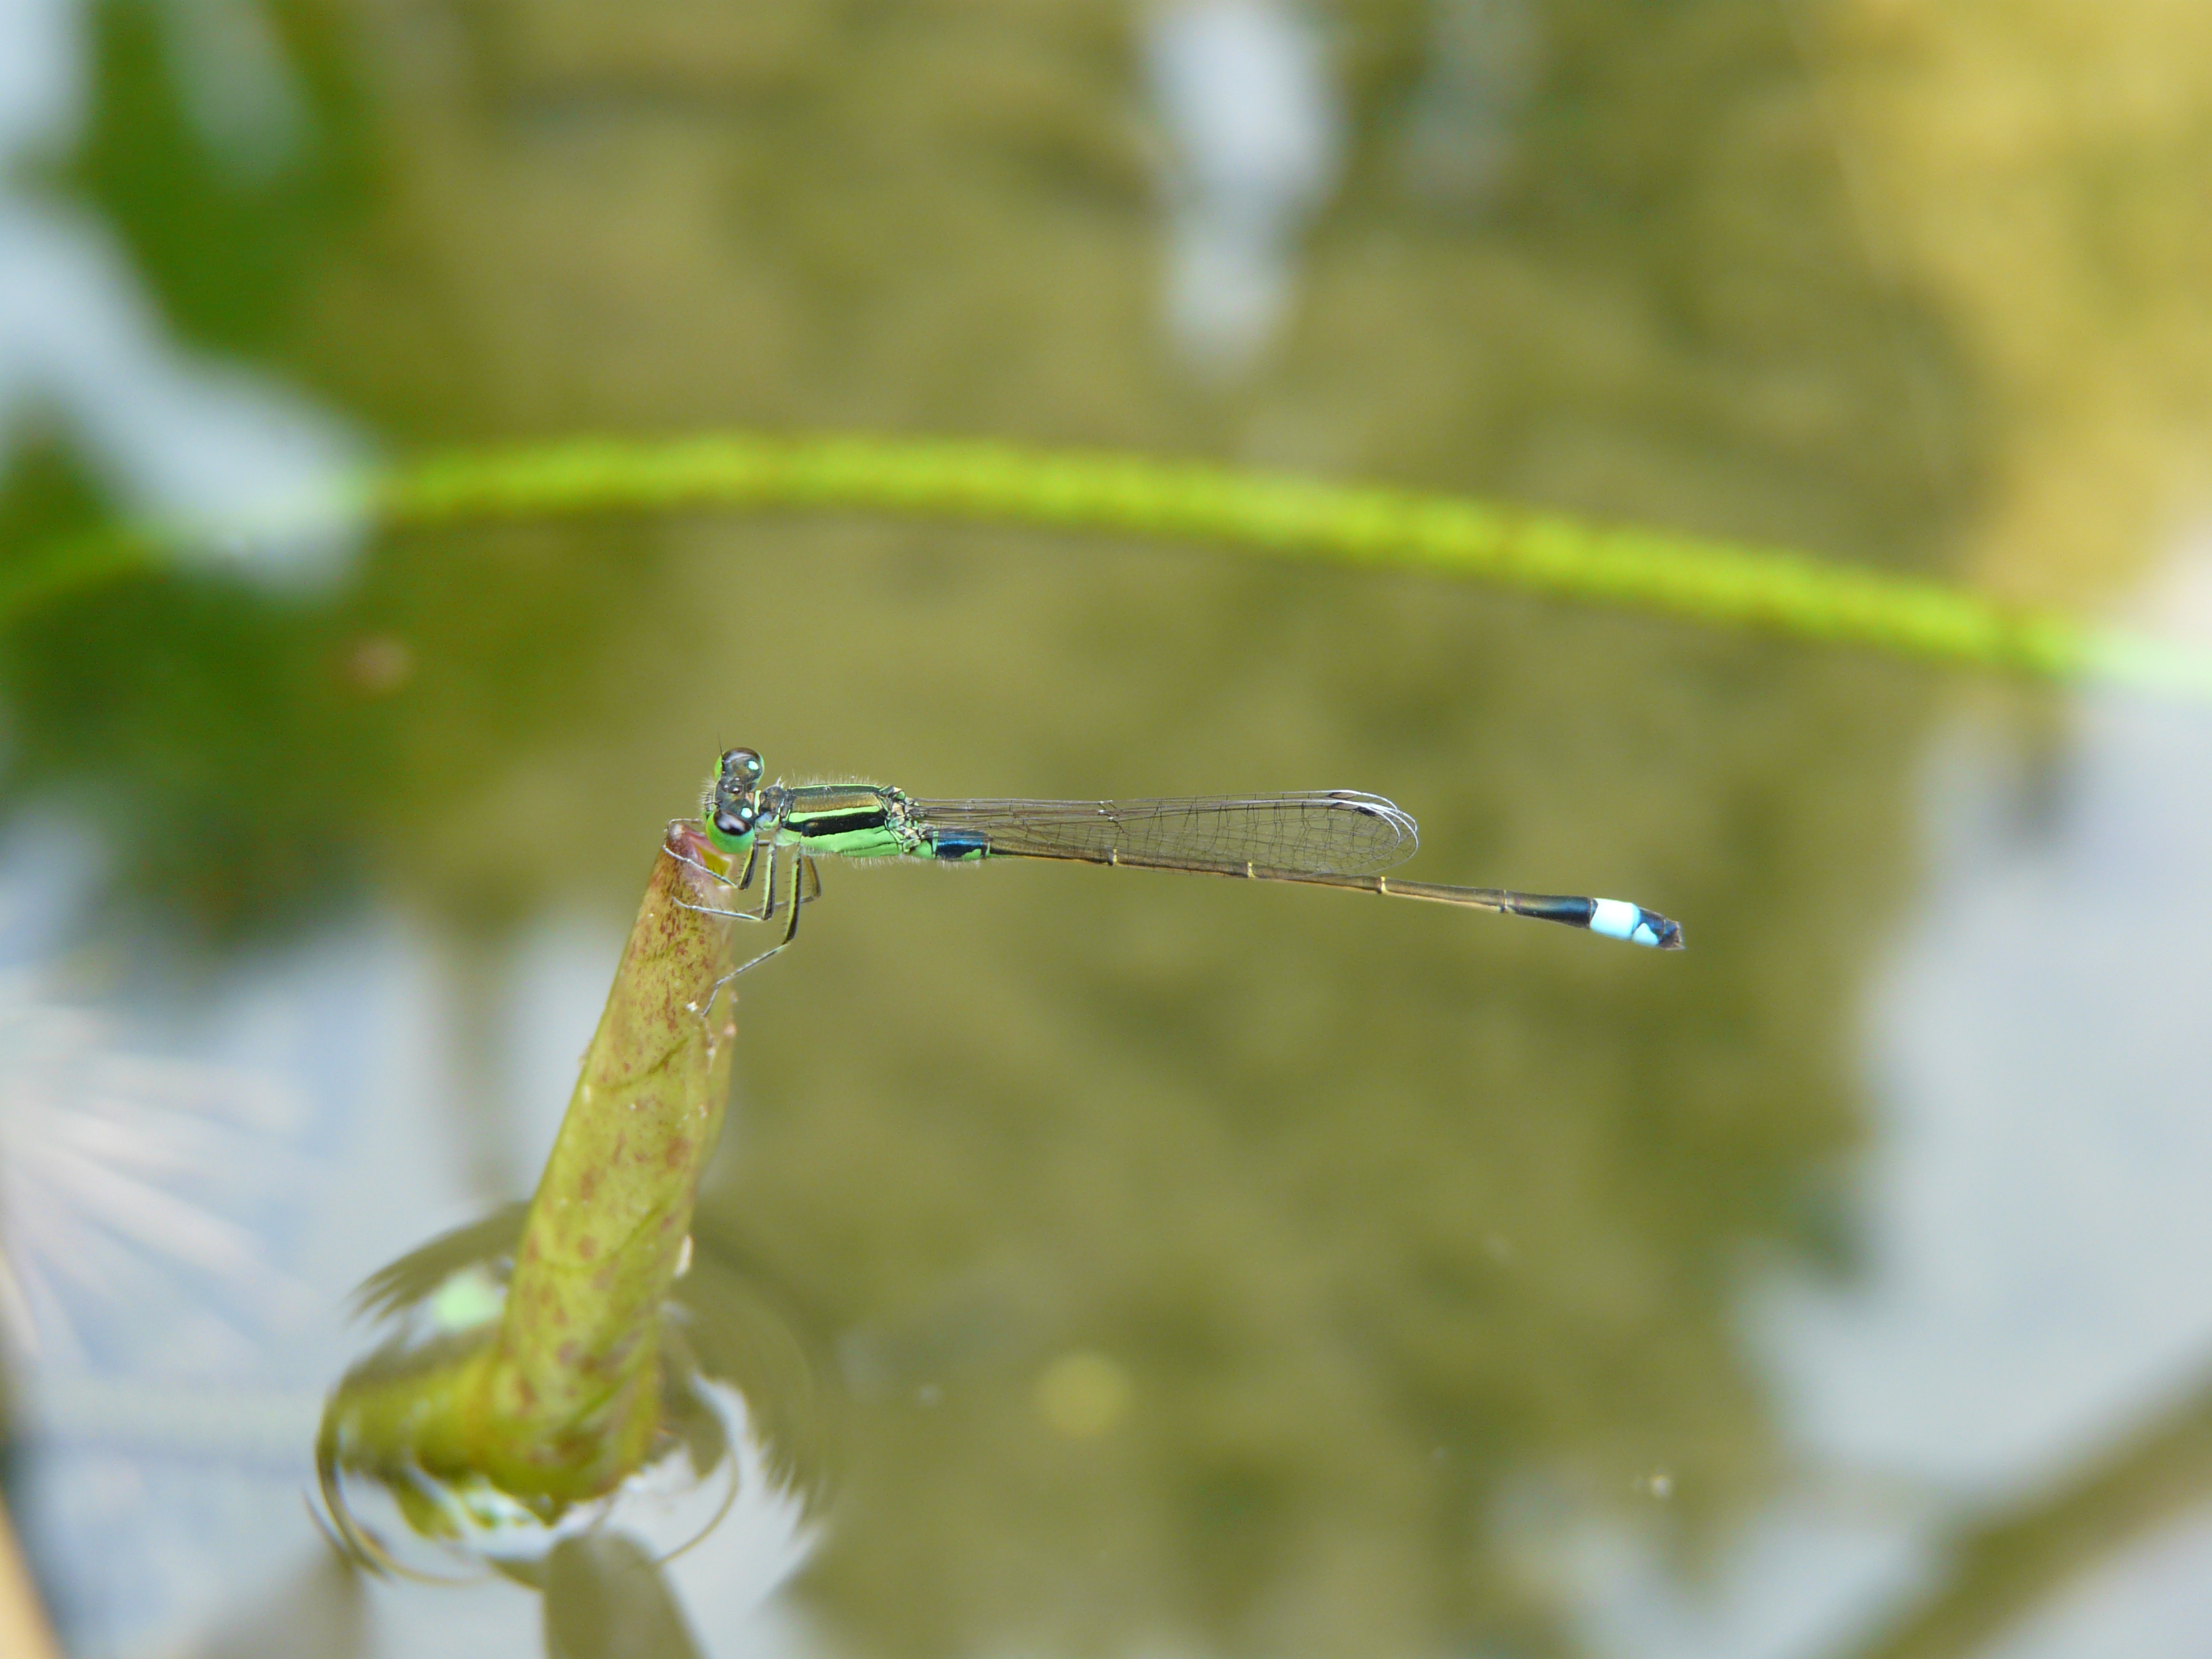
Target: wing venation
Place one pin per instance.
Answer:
(1339, 831)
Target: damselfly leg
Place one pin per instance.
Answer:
(804, 876)
(744, 880)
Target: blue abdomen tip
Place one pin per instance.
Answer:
(1618, 919)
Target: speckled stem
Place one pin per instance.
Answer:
(570, 1389)
(563, 1399)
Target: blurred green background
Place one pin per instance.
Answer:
(1236, 1270)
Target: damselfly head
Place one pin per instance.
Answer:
(734, 813)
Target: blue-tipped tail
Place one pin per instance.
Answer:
(1618, 919)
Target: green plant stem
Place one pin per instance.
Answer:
(1543, 553)
(569, 1393)
(562, 1400)
(1717, 584)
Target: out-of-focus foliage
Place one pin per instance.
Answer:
(1401, 1233)
(2037, 172)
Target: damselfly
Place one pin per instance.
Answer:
(1325, 838)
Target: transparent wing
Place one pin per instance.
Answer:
(1338, 831)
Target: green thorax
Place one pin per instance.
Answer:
(841, 820)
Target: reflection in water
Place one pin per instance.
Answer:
(1459, 136)
(1245, 94)
(2035, 1230)
(170, 435)
(604, 1595)
(722, 1344)
(193, 1172)
(159, 1474)
(125, 1175)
